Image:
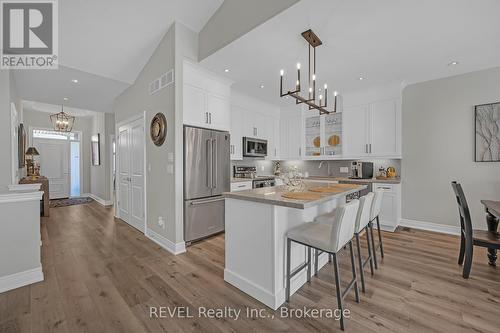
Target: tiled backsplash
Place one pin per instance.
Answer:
(328, 168)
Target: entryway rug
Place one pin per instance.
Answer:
(69, 202)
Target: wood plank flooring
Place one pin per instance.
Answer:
(103, 276)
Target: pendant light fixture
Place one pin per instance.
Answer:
(62, 122)
(322, 103)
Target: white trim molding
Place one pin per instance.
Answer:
(21, 279)
(98, 199)
(174, 248)
(15, 196)
(25, 187)
(429, 226)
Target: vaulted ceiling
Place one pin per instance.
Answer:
(383, 41)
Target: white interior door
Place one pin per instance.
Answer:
(54, 164)
(131, 173)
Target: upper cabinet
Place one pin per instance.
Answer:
(373, 130)
(291, 133)
(206, 98)
(323, 135)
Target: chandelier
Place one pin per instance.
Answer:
(310, 100)
(62, 122)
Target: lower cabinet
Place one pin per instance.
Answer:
(390, 213)
(241, 186)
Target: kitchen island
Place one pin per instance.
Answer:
(256, 222)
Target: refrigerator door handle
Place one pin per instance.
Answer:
(201, 202)
(209, 163)
(214, 161)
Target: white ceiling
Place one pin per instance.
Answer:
(105, 44)
(385, 41)
(51, 108)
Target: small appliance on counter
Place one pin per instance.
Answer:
(361, 170)
(250, 172)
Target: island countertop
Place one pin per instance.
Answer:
(273, 195)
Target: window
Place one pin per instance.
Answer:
(47, 134)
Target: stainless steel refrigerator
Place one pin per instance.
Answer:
(206, 177)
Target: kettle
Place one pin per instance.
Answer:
(391, 172)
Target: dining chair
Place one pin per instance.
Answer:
(468, 236)
(330, 238)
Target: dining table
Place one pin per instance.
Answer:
(492, 218)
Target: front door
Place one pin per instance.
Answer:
(54, 164)
(131, 173)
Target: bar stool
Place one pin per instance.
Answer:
(330, 238)
(362, 222)
(374, 215)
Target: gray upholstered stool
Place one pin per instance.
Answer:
(374, 215)
(330, 238)
(362, 222)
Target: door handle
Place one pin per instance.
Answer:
(201, 202)
(370, 148)
(206, 117)
(214, 161)
(209, 163)
(210, 117)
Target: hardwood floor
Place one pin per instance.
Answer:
(103, 276)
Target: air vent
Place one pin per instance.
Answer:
(163, 81)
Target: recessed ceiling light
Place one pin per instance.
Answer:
(453, 63)
(261, 86)
(226, 70)
(74, 80)
(66, 98)
(287, 97)
(361, 78)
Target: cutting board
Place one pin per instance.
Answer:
(325, 189)
(301, 195)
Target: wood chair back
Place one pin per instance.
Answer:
(463, 210)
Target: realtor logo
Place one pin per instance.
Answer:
(29, 34)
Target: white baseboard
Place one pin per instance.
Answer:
(429, 226)
(274, 301)
(20, 279)
(98, 199)
(174, 248)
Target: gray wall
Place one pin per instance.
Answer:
(233, 19)
(134, 100)
(438, 147)
(5, 153)
(83, 124)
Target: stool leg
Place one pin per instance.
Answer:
(288, 255)
(360, 261)
(374, 252)
(316, 257)
(380, 238)
(309, 250)
(338, 291)
(354, 275)
(369, 249)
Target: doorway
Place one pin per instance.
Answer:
(59, 161)
(130, 176)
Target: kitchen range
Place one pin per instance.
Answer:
(250, 173)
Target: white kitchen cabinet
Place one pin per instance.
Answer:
(385, 128)
(236, 131)
(390, 212)
(322, 135)
(372, 130)
(291, 133)
(241, 186)
(206, 98)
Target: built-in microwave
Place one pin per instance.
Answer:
(254, 147)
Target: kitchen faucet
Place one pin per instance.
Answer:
(327, 167)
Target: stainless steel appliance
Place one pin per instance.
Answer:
(361, 170)
(254, 147)
(206, 177)
(250, 172)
